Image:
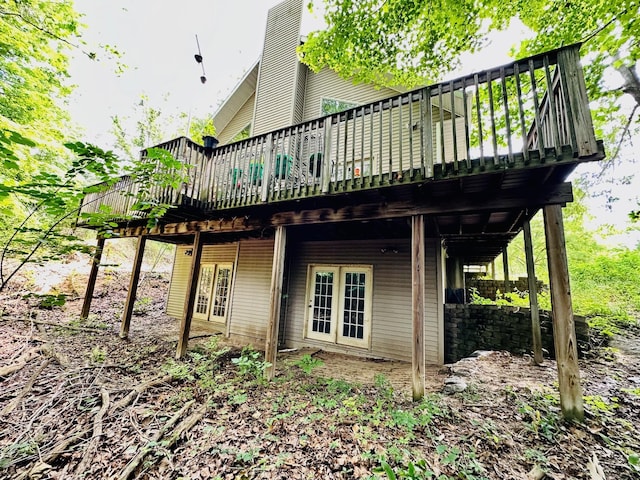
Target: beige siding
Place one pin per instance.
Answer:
(250, 302)
(224, 253)
(278, 68)
(178, 286)
(433, 327)
(327, 84)
(237, 123)
(391, 316)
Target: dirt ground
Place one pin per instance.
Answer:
(83, 403)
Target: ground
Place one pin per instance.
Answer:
(79, 402)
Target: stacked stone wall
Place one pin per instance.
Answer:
(490, 327)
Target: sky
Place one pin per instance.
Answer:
(158, 41)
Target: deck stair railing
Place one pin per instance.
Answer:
(531, 111)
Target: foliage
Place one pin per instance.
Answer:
(409, 43)
(53, 200)
(249, 363)
(307, 363)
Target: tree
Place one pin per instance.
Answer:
(411, 42)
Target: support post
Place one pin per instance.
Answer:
(190, 298)
(505, 269)
(277, 274)
(93, 275)
(417, 305)
(533, 295)
(564, 334)
(133, 287)
(493, 269)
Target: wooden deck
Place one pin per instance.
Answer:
(462, 146)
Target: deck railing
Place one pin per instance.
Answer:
(530, 111)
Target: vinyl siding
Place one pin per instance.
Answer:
(250, 300)
(327, 84)
(237, 123)
(391, 312)
(223, 253)
(278, 68)
(433, 319)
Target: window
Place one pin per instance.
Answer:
(331, 105)
(339, 304)
(212, 292)
(242, 134)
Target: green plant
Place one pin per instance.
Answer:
(249, 363)
(307, 363)
(141, 305)
(16, 452)
(98, 355)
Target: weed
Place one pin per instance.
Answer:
(141, 305)
(599, 406)
(307, 363)
(98, 355)
(16, 452)
(249, 363)
(238, 398)
(178, 370)
(535, 456)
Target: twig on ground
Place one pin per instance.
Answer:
(63, 325)
(139, 457)
(92, 447)
(49, 457)
(16, 401)
(141, 389)
(21, 362)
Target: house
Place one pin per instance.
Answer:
(336, 216)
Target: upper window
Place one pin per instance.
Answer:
(242, 134)
(339, 304)
(331, 105)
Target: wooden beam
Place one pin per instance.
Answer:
(133, 287)
(93, 275)
(417, 304)
(505, 270)
(472, 203)
(533, 295)
(564, 333)
(275, 299)
(190, 297)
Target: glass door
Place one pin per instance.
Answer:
(221, 290)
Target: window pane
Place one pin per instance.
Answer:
(354, 304)
(321, 321)
(221, 292)
(204, 289)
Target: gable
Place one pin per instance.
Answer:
(327, 84)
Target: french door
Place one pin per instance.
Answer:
(212, 293)
(339, 304)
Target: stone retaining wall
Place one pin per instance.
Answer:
(491, 327)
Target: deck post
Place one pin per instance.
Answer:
(577, 102)
(326, 159)
(267, 168)
(133, 287)
(93, 275)
(417, 304)
(190, 298)
(505, 270)
(533, 295)
(493, 269)
(564, 334)
(275, 299)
